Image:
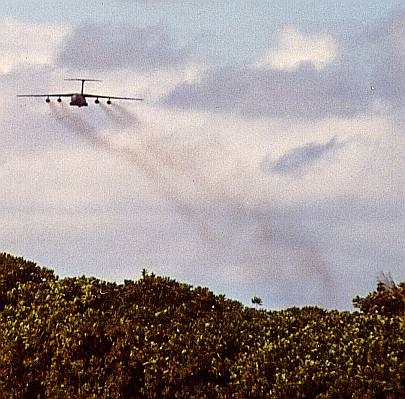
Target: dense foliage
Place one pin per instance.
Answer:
(156, 338)
(387, 300)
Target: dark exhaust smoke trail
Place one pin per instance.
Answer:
(152, 143)
(179, 158)
(168, 166)
(146, 164)
(122, 120)
(266, 235)
(81, 127)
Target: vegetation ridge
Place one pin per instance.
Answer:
(157, 338)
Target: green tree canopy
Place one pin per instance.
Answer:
(157, 338)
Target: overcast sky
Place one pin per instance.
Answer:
(267, 158)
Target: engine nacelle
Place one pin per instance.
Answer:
(97, 101)
(109, 102)
(59, 100)
(48, 100)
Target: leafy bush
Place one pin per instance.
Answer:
(157, 338)
(388, 299)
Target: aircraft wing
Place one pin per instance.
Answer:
(112, 97)
(46, 95)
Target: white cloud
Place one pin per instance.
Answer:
(75, 207)
(28, 43)
(223, 153)
(152, 85)
(295, 48)
(85, 205)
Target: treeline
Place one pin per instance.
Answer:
(157, 338)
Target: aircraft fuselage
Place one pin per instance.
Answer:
(78, 100)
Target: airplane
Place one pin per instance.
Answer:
(79, 99)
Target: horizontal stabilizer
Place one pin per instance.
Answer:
(85, 80)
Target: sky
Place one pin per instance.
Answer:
(266, 159)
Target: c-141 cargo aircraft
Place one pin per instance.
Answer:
(79, 99)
